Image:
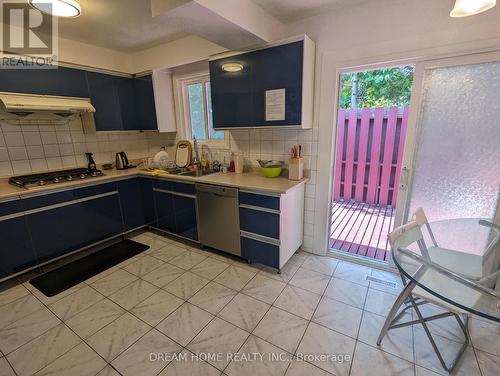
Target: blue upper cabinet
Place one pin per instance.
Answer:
(104, 97)
(121, 103)
(127, 100)
(145, 102)
(239, 98)
(62, 81)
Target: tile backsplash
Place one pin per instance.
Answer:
(35, 148)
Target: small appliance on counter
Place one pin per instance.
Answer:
(122, 161)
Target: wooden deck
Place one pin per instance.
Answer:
(361, 228)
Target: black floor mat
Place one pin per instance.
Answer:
(69, 275)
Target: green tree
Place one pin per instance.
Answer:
(377, 88)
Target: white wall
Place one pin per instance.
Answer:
(376, 32)
(84, 54)
(181, 51)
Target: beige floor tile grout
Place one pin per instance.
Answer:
(257, 272)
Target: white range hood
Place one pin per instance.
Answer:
(26, 104)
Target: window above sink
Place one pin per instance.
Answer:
(194, 110)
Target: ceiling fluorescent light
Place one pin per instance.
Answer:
(232, 67)
(464, 8)
(58, 8)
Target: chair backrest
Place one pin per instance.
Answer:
(420, 217)
(410, 233)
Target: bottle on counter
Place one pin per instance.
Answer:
(224, 168)
(231, 163)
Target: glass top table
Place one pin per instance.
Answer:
(462, 265)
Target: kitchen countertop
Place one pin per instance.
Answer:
(253, 181)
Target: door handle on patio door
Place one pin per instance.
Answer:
(403, 180)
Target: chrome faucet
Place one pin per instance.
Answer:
(196, 159)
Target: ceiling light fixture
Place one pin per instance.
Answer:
(58, 8)
(232, 67)
(464, 8)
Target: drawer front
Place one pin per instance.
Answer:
(183, 188)
(94, 190)
(263, 201)
(10, 207)
(162, 184)
(30, 203)
(260, 252)
(174, 186)
(260, 222)
(37, 202)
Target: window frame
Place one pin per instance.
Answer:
(181, 100)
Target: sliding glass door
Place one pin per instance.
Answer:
(451, 165)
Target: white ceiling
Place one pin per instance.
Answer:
(118, 24)
(293, 10)
(129, 25)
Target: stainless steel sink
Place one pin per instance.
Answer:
(186, 172)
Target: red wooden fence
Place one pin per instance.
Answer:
(369, 153)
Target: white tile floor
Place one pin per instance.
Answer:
(177, 299)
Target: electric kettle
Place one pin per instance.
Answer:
(122, 161)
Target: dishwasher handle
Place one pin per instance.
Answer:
(217, 190)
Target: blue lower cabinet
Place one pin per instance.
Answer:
(57, 231)
(186, 188)
(260, 222)
(16, 251)
(134, 209)
(185, 217)
(260, 252)
(101, 217)
(263, 201)
(148, 203)
(91, 214)
(164, 207)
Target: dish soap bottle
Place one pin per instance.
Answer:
(161, 158)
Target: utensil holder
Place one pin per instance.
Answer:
(295, 168)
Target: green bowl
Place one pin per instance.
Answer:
(271, 172)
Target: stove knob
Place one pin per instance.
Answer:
(57, 180)
(82, 176)
(93, 174)
(70, 178)
(41, 182)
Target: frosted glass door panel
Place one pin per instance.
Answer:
(457, 171)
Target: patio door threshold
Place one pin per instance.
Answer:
(361, 260)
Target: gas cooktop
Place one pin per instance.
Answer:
(27, 181)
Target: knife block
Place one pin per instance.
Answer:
(295, 168)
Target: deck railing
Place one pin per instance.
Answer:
(369, 153)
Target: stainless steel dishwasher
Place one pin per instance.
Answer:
(218, 217)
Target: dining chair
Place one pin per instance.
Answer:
(412, 296)
(469, 265)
